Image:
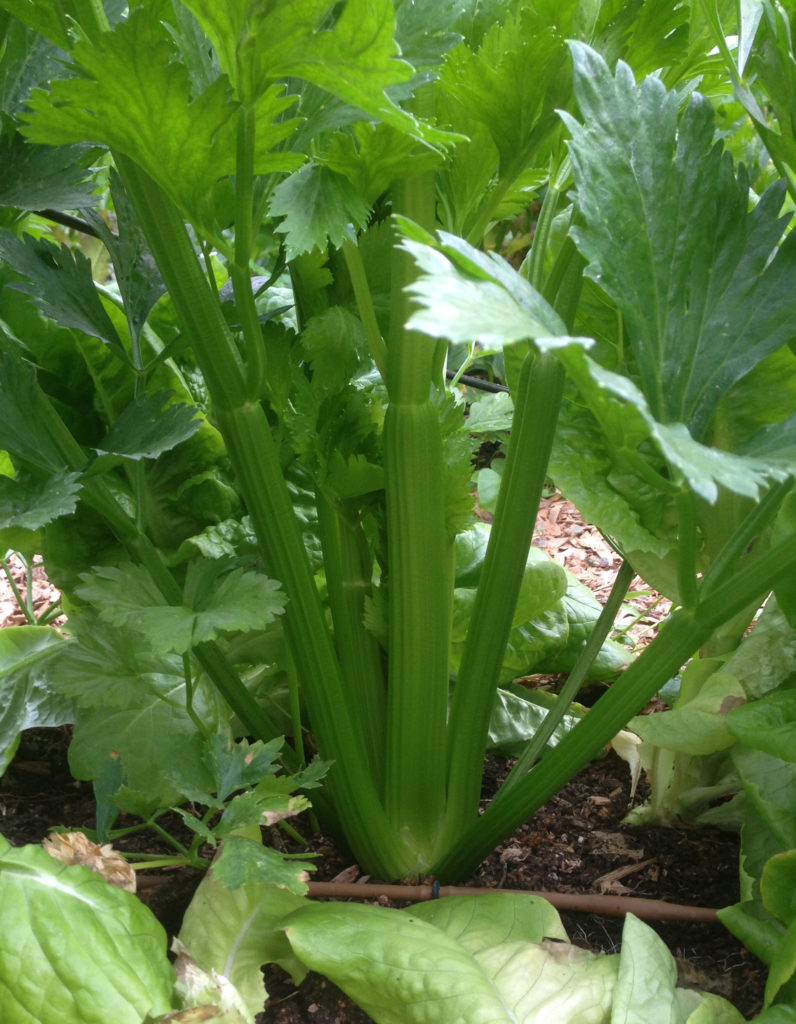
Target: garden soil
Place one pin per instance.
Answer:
(576, 843)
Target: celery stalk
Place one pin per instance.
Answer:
(419, 569)
(254, 456)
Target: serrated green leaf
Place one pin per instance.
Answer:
(41, 177)
(150, 426)
(44, 17)
(235, 765)
(704, 289)
(114, 964)
(102, 665)
(22, 434)
(148, 733)
(185, 143)
(348, 51)
(627, 420)
(30, 504)
(317, 205)
(245, 861)
(373, 156)
(61, 282)
(512, 85)
(28, 59)
(134, 269)
(465, 295)
(217, 598)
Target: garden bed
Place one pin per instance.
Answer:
(574, 844)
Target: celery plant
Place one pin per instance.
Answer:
(298, 153)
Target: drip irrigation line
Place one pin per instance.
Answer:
(476, 382)
(609, 906)
(66, 220)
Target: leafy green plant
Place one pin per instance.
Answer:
(456, 958)
(258, 393)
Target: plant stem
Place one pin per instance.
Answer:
(419, 561)
(239, 270)
(22, 604)
(538, 399)
(255, 458)
(675, 643)
(367, 314)
(348, 577)
(682, 634)
(569, 691)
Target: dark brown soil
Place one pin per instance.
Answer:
(570, 845)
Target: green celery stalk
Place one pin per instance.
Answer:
(419, 562)
(348, 572)
(682, 634)
(252, 450)
(538, 399)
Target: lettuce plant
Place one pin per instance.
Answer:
(239, 456)
(500, 957)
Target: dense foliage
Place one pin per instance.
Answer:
(227, 426)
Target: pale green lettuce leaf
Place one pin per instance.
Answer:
(202, 989)
(778, 886)
(768, 724)
(767, 656)
(402, 970)
(234, 932)
(517, 715)
(26, 698)
(73, 948)
(492, 918)
(699, 726)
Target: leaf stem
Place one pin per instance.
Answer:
(239, 270)
(364, 300)
(590, 650)
(419, 560)
(537, 402)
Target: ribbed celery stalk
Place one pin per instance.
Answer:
(419, 562)
(239, 271)
(537, 402)
(685, 632)
(255, 458)
(348, 570)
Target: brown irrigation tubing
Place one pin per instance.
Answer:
(611, 906)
